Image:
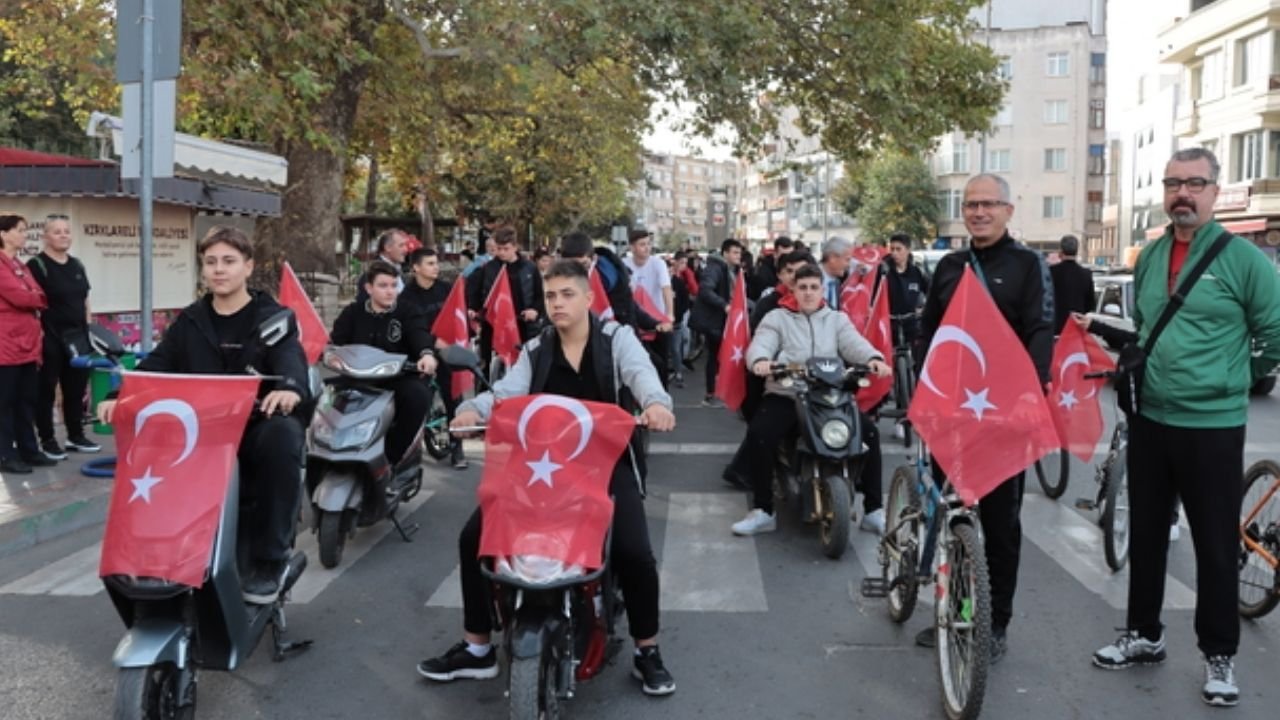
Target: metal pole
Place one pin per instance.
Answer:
(982, 144)
(826, 193)
(145, 189)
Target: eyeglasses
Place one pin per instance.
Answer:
(972, 205)
(1194, 184)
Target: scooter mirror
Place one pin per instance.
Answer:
(104, 342)
(275, 328)
(460, 357)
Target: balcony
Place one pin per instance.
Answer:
(1184, 37)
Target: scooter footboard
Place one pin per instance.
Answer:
(152, 641)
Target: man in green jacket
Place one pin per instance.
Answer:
(1187, 440)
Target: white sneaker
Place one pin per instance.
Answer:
(873, 522)
(1220, 689)
(1174, 533)
(898, 432)
(756, 521)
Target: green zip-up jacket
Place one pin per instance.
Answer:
(1200, 371)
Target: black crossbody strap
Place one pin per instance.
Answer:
(1184, 288)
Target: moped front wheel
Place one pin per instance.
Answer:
(833, 515)
(332, 538)
(533, 690)
(155, 692)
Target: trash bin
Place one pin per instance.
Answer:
(102, 381)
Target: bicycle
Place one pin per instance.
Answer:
(436, 435)
(1053, 471)
(933, 537)
(1112, 500)
(1260, 540)
(904, 375)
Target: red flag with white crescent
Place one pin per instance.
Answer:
(452, 327)
(979, 404)
(545, 487)
(731, 380)
(311, 330)
(650, 308)
(599, 297)
(177, 438)
(879, 333)
(1074, 401)
(855, 295)
(500, 312)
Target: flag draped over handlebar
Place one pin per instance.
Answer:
(545, 487)
(1074, 399)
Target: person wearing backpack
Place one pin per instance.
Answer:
(1187, 414)
(66, 335)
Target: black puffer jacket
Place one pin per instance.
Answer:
(715, 288)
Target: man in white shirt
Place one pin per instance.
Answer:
(649, 272)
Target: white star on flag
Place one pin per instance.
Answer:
(977, 402)
(142, 486)
(542, 469)
(1068, 399)
(737, 355)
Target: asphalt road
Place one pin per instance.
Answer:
(752, 628)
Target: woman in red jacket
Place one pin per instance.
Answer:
(21, 301)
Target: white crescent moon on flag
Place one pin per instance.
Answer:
(1078, 358)
(946, 334)
(180, 411)
(580, 412)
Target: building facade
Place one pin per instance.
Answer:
(679, 197)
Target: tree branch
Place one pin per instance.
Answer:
(424, 43)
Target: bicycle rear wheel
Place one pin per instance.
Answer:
(1260, 524)
(899, 554)
(1052, 471)
(1115, 513)
(964, 637)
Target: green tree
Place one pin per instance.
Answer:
(898, 195)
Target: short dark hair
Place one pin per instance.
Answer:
(637, 235)
(568, 269)
(380, 267)
(226, 235)
(901, 239)
(728, 244)
(782, 242)
(1069, 245)
(422, 252)
(794, 257)
(504, 236)
(386, 237)
(576, 245)
(541, 253)
(10, 221)
(808, 270)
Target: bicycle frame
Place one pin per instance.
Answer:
(1251, 542)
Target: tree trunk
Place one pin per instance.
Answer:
(371, 188)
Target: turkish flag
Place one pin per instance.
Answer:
(500, 312)
(545, 486)
(452, 327)
(879, 333)
(869, 254)
(855, 295)
(979, 403)
(311, 329)
(599, 297)
(1077, 414)
(646, 304)
(731, 380)
(177, 437)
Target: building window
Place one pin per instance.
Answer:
(1246, 152)
(1098, 68)
(960, 158)
(999, 161)
(1211, 76)
(1055, 112)
(1055, 159)
(1093, 212)
(949, 204)
(1004, 118)
(1059, 64)
(1274, 154)
(1004, 70)
(1053, 206)
(1250, 59)
(1098, 114)
(1097, 159)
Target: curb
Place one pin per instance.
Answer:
(86, 509)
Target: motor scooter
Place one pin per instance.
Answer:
(821, 462)
(176, 629)
(348, 477)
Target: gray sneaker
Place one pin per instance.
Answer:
(1128, 650)
(1220, 688)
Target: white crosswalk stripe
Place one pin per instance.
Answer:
(704, 567)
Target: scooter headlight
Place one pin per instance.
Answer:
(835, 433)
(356, 436)
(321, 430)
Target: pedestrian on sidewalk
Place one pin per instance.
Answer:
(1072, 284)
(711, 308)
(66, 335)
(21, 300)
(1186, 439)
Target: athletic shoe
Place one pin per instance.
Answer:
(1128, 650)
(687, 363)
(756, 521)
(899, 433)
(14, 466)
(653, 675)
(83, 444)
(52, 450)
(873, 522)
(1175, 532)
(712, 402)
(458, 459)
(1220, 688)
(458, 662)
(39, 460)
(999, 643)
(262, 586)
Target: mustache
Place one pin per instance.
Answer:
(1183, 204)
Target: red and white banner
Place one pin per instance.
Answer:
(731, 380)
(500, 312)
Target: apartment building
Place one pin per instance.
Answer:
(686, 197)
(1048, 139)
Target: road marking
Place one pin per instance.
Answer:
(1076, 545)
(75, 574)
(704, 567)
(449, 593)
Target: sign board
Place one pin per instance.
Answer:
(166, 40)
(162, 129)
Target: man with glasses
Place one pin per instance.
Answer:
(1018, 281)
(1187, 438)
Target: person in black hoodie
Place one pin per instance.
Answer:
(1018, 281)
(908, 286)
(429, 293)
(395, 327)
(711, 307)
(526, 290)
(218, 335)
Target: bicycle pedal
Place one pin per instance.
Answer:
(1086, 504)
(875, 587)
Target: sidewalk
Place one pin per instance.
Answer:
(53, 501)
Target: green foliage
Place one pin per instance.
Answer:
(898, 195)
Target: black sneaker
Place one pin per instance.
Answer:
(83, 444)
(999, 644)
(40, 460)
(262, 586)
(14, 466)
(458, 662)
(52, 450)
(653, 675)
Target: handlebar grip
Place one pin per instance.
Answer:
(1099, 374)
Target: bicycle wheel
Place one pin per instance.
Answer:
(899, 555)
(1052, 471)
(438, 440)
(1260, 524)
(1115, 512)
(964, 635)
